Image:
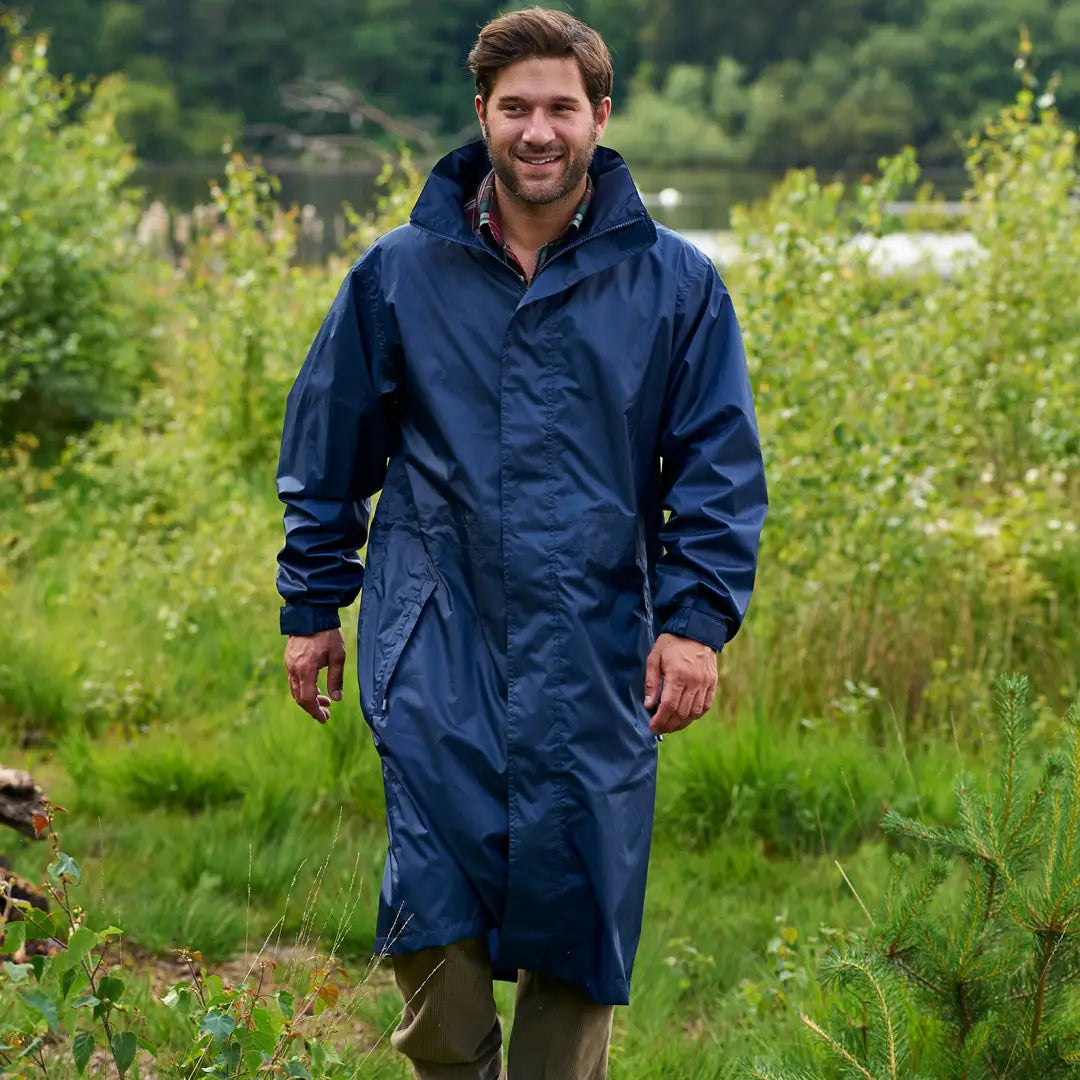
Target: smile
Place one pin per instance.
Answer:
(540, 161)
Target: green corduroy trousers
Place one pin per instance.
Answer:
(450, 1029)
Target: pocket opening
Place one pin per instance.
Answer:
(406, 624)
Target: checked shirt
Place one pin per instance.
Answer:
(482, 213)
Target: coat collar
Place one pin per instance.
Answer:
(617, 226)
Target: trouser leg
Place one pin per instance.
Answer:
(559, 1032)
(449, 1028)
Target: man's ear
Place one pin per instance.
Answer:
(601, 117)
(481, 114)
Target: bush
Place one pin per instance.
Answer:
(74, 321)
(920, 436)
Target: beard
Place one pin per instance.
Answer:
(540, 191)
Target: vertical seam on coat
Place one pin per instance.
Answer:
(557, 636)
(511, 666)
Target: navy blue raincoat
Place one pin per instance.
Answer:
(567, 468)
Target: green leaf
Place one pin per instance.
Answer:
(110, 988)
(109, 932)
(123, 1045)
(230, 1054)
(266, 1029)
(81, 1048)
(37, 965)
(38, 924)
(65, 868)
(79, 945)
(67, 979)
(296, 1067)
(84, 1001)
(17, 973)
(42, 1003)
(286, 1003)
(219, 1026)
(14, 937)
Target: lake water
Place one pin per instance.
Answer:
(705, 197)
(697, 202)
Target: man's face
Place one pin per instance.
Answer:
(540, 129)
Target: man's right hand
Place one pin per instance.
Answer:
(305, 657)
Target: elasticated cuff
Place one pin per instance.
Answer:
(303, 620)
(703, 626)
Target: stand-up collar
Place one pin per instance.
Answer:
(456, 177)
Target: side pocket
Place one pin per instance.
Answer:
(398, 639)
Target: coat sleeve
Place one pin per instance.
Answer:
(712, 476)
(334, 449)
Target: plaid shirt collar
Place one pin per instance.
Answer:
(482, 214)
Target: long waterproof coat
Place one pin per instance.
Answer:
(567, 468)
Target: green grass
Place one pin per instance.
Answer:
(222, 831)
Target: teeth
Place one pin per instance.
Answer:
(540, 161)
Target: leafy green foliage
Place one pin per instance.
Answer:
(273, 1023)
(73, 327)
(65, 993)
(920, 437)
(830, 82)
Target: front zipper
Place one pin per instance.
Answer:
(584, 240)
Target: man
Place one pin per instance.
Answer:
(550, 392)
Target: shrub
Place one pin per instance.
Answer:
(920, 435)
(74, 321)
(975, 982)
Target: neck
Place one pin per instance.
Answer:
(530, 225)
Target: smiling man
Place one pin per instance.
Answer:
(551, 394)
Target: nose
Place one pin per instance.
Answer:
(538, 130)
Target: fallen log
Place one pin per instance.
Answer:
(20, 800)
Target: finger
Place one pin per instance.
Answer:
(652, 679)
(318, 712)
(668, 712)
(308, 697)
(662, 719)
(685, 707)
(335, 674)
(710, 697)
(697, 707)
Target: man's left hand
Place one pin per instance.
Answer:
(686, 671)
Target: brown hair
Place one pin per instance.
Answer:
(538, 33)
